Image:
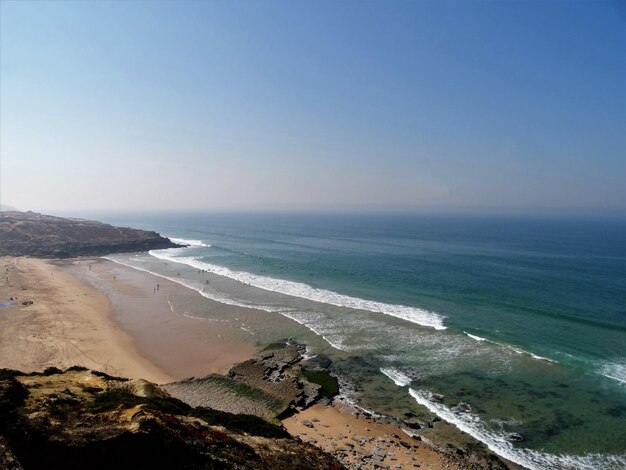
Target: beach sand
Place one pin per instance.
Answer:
(108, 317)
(361, 442)
(181, 345)
(121, 327)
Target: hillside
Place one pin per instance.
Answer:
(45, 236)
(85, 419)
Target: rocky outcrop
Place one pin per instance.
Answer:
(261, 386)
(45, 236)
(80, 419)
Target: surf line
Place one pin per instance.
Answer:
(512, 348)
(295, 289)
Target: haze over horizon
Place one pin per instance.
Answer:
(447, 106)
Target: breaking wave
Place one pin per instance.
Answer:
(228, 301)
(498, 442)
(190, 243)
(512, 348)
(400, 379)
(615, 371)
(297, 289)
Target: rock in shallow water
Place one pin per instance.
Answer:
(515, 437)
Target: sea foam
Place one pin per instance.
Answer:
(477, 338)
(296, 289)
(615, 371)
(204, 293)
(512, 348)
(400, 379)
(498, 443)
(335, 343)
(190, 243)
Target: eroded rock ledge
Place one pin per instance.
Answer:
(264, 386)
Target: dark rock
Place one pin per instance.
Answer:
(437, 397)
(318, 362)
(48, 421)
(462, 407)
(515, 437)
(261, 386)
(45, 236)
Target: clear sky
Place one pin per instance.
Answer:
(341, 105)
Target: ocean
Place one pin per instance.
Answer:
(510, 329)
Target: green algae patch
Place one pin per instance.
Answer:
(329, 384)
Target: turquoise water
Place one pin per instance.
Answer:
(524, 320)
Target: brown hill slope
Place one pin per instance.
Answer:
(45, 236)
(81, 419)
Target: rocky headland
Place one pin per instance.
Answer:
(45, 236)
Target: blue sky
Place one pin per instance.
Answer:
(462, 106)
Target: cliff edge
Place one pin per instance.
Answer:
(79, 418)
(45, 236)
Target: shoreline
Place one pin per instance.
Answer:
(93, 313)
(144, 305)
(360, 441)
(106, 316)
(67, 324)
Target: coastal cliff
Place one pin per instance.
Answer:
(80, 418)
(45, 236)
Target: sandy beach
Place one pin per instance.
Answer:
(362, 442)
(104, 316)
(67, 324)
(121, 327)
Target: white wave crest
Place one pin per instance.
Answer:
(191, 243)
(534, 356)
(334, 342)
(400, 379)
(615, 371)
(228, 301)
(297, 289)
(512, 348)
(208, 295)
(498, 443)
(477, 338)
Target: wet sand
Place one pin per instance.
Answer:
(181, 345)
(95, 313)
